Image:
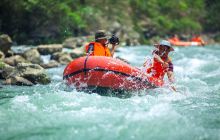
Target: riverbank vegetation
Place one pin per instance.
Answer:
(51, 21)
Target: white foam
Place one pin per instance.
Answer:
(45, 58)
(23, 103)
(20, 99)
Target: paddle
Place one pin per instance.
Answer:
(172, 88)
(89, 52)
(122, 59)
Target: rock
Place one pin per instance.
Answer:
(127, 42)
(33, 56)
(14, 60)
(19, 50)
(77, 53)
(50, 64)
(74, 42)
(7, 81)
(49, 49)
(1, 68)
(115, 27)
(16, 80)
(33, 72)
(2, 55)
(24, 74)
(5, 43)
(2, 64)
(62, 57)
(10, 53)
(212, 38)
(6, 71)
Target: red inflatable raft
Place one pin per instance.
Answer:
(185, 43)
(100, 72)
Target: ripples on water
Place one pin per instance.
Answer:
(50, 112)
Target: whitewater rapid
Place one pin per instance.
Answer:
(50, 112)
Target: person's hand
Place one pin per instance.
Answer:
(165, 65)
(113, 49)
(173, 88)
(114, 45)
(203, 43)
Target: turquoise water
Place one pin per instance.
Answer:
(50, 112)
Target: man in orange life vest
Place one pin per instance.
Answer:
(175, 38)
(100, 46)
(162, 63)
(197, 38)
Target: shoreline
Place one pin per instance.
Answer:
(25, 66)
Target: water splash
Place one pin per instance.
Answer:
(50, 112)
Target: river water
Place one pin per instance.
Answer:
(50, 112)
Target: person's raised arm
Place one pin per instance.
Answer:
(170, 76)
(113, 49)
(160, 60)
(114, 40)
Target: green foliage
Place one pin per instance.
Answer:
(45, 21)
(40, 19)
(186, 25)
(172, 16)
(212, 20)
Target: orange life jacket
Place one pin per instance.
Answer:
(197, 39)
(97, 49)
(157, 70)
(174, 39)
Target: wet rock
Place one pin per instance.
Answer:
(2, 55)
(62, 57)
(212, 38)
(115, 27)
(33, 72)
(127, 42)
(33, 56)
(77, 53)
(16, 80)
(131, 42)
(5, 43)
(148, 28)
(10, 53)
(14, 60)
(6, 71)
(19, 50)
(50, 64)
(24, 74)
(74, 42)
(49, 49)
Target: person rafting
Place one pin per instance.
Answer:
(198, 38)
(162, 63)
(100, 46)
(175, 38)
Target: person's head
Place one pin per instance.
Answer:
(175, 35)
(164, 47)
(101, 37)
(197, 35)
